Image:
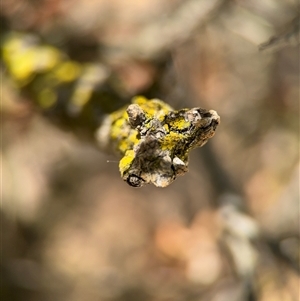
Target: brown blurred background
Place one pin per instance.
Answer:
(228, 230)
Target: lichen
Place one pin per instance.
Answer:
(154, 140)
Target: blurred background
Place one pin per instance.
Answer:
(71, 229)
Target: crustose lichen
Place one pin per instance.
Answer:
(154, 140)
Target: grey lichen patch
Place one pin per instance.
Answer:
(154, 140)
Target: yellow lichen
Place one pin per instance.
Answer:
(153, 107)
(67, 71)
(171, 140)
(180, 123)
(126, 161)
(47, 98)
(24, 60)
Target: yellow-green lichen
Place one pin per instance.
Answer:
(170, 141)
(123, 137)
(155, 140)
(126, 161)
(179, 123)
(67, 71)
(152, 108)
(24, 58)
(47, 98)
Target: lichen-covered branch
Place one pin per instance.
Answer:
(154, 140)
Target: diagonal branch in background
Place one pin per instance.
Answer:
(289, 37)
(164, 33)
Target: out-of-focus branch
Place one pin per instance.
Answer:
(162, 34)
(289, 37)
